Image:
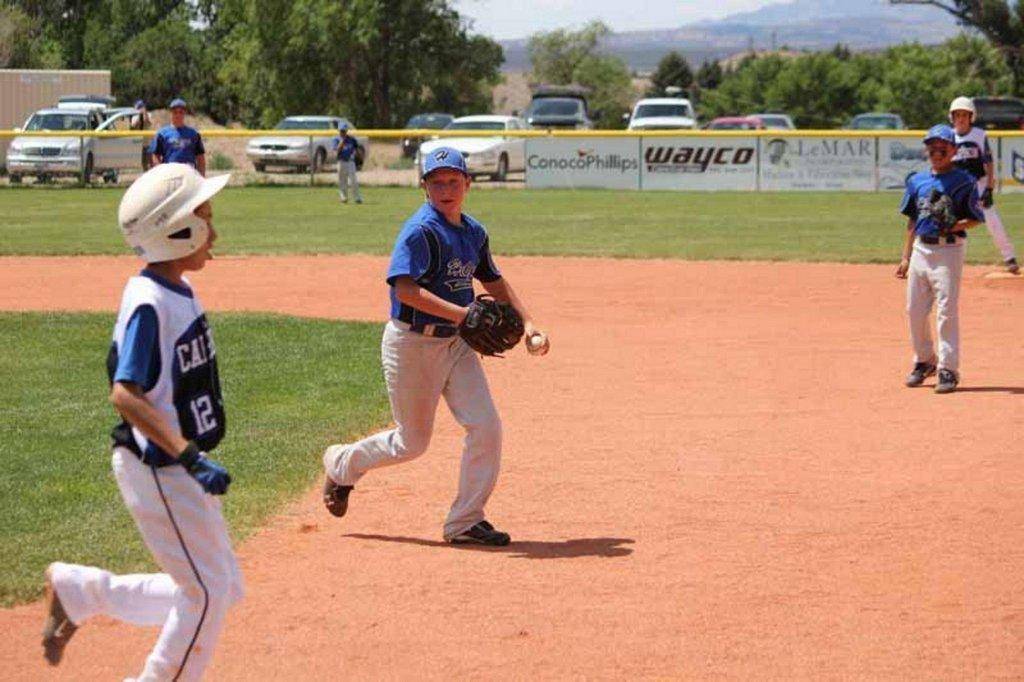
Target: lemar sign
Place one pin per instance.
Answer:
(699, 163)
(818, 163)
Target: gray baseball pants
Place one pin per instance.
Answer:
(935, 274)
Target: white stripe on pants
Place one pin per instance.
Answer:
(935, 274)
(418, 370)
(348, 182)
(201, 578)
(995, 226)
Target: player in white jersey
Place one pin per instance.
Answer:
(974, 156)
(164, 383)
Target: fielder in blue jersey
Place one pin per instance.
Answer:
(439, 252)
(345, 147)
(933, 257)
(178, 143)
(165, 385)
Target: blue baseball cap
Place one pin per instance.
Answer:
(177, 102)
(444, 157)
(342, 126)
(940, 132)
(140, 103)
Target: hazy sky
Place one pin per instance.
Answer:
(502, 19)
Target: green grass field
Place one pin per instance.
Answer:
(841, 227)
(291, 387)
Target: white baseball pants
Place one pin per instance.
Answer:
(994, 223)
(184, 529)
(935, 274)
(348, 182)
(418, 370)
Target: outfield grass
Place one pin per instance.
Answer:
(843, 227)
(291, 387)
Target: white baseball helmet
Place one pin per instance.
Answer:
(156, 213)
(962, 104)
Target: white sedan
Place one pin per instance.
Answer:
(494, 156)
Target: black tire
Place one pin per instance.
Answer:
(87, 173)
(318, 160)
(502, 173)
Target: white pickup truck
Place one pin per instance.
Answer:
(663, 113)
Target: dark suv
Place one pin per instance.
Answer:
(559, 106)
(999, 113)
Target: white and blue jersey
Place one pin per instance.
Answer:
(163, 344)
(177, 145)
(973, 152)
(345, 147)
(957, 184)
(442, 258)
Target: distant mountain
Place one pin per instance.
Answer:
(799, 24)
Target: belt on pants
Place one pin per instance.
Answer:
(441, 331)
(954, 238)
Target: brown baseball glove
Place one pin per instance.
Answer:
(491, 327)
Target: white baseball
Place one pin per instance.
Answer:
(536, 344)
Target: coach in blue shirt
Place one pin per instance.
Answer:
(178, 143)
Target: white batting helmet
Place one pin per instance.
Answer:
(962, 104)
(156, 213)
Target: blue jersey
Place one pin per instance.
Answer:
(163, 344)
(957, 184)
(442, 258)
(177, 145)
(346, 147)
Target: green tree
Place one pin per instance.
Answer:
(672, 70)
(571, 57)
(22, 43)
(710, 75)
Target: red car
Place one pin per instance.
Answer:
(735, 123)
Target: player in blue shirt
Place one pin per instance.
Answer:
(178, 143)
(438, 253)
(933, 258)
(165, 385)
(345, 145)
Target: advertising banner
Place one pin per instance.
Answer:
(1011, 163)
(699, 163)
(818, 163)
(612, 162)
(898, 157)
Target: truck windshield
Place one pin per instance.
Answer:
(875, 123)
(652, 110)
(475, 125)
(317, 124)
(58, 122)
(554, 107)
(429, 121)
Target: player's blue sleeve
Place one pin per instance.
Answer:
(967, 203)
(200, 149)
(412, 256)
(486, 269)
(157, 145)
(138, 357)
(908, 206)
(335, 142)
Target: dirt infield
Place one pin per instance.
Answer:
(716, 472)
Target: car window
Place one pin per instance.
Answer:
(433, 121)
(58, 122)
(117, 123)
(554, 107)
(875, 123)
(651, 110)
(1000, 108)
(475, 125)
(314, 124)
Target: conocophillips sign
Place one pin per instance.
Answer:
(565, 162)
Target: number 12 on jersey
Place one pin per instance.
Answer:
(202, 414)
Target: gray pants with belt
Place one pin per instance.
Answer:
(934, 277)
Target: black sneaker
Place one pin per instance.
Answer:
(947, 381)
(336, 497)
(482, 533)
(921, 371)
(1012, 267)
(58, 629)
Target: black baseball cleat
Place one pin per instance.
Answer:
(921, 371)
(59, 629)
(336, 497)
(482, 533)
(1011, 266)
(947, 381)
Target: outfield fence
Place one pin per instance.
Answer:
(682, 160)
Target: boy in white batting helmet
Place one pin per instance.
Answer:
(974, 156)
(162, 367)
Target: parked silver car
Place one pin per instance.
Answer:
(298, 152)
(64, 153)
